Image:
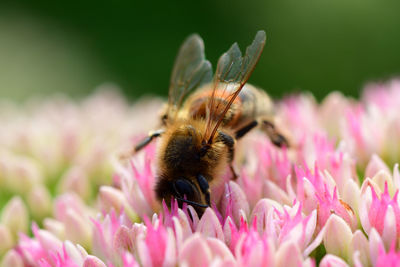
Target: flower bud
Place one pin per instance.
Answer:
(15, 216)
(111, 198)
(12, 258)
(76, 180)
(55, 227)
(47, 240)
(6, 238)
(39, 202)
(22, 173)
(375, 165)
(77, 228)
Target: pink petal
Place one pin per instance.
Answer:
(219, 249)
(375, 165)
(209, 225)
(12, 258)
(234, 200)
(359, 243)
(195, 252)
(332, 261)
(288, 255)
(92, 261)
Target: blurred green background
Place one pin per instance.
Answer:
(313, 45)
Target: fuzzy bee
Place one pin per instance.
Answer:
(204, 117)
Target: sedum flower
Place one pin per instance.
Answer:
(330, 199)
(136, 181)
(382, 212)
(57, 145)
(74, 219)
(46, 250)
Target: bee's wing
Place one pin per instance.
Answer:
(190, 71)
(231, 75)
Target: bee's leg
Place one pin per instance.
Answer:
(127, 154)
(245, 129)
(233, 171)
(204, 187)
(230, 143)
(148, 139)
(276, 137)
(268, 127)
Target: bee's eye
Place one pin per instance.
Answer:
(183, 187)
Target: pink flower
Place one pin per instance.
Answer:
(300, 114)
(331, 204)
(138, 180)
(58, 260)
(110, 234)
(158, 246)
(264, 162)
(296, 227)
(74, 217)
(250, 248)
(389, 259)
(286, 206)
(43, 247)
(382, 212)
(317, 191)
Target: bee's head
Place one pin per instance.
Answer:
(193, 192)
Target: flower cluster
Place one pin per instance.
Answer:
(330, 199)
(55, 154)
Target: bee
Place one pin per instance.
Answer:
(204, 118)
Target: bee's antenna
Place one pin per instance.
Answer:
(192, 202)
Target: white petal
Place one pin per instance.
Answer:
(363, 209)
(375, 243)
(359, 243)
(389, 227)
(337, 237)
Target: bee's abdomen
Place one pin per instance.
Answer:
(250, 104)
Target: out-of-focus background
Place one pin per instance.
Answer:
(74, 46)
